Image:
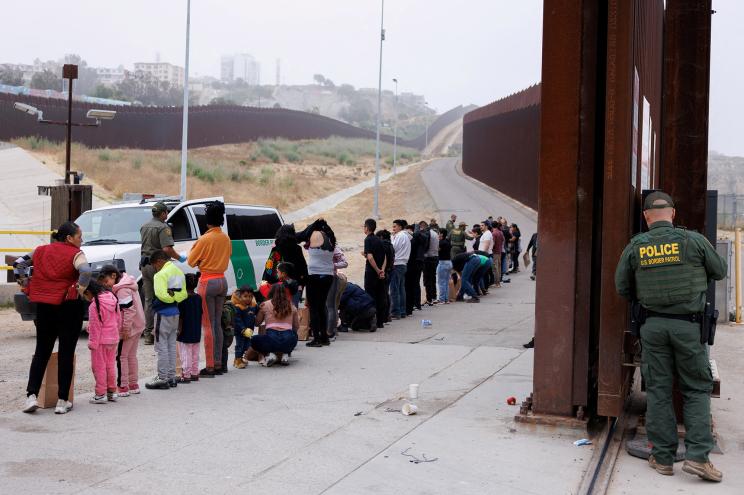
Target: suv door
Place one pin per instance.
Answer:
(252, 230)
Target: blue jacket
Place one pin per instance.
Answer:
(355, 300)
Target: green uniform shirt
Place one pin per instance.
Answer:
(669, 268)
(155, 235)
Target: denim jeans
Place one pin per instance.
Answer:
(467, 276)
(398, 290)
(281, 341)
(444, 268)
(504, 265)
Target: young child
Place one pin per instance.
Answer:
(170, 290)
(104, 320)
(189, 331)
(126, 291)
(244, 319)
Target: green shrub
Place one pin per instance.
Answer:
(104, 155)
(293, 156)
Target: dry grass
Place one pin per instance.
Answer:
(404, 196)
(280, 173)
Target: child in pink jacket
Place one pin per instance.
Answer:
(104, 321)
(132, 326)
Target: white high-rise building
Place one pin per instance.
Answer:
(161, 71)
(241, 66)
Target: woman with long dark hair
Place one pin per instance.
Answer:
(282, 321)
(515, 246)
(211, 254)
(60, 275)
(287, 250)
(321, 242)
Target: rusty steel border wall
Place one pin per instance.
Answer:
(501, 145)
(159, 128)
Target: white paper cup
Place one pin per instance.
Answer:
(409, 409)
(413, 391)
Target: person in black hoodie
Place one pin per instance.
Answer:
(419, 245)
(384, 235)
(286, 249)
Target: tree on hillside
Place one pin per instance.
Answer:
(346, 90)
(87, 77)
(320, 79)
(46, 80)
(11, 77)
(147, 90)
(102, 91)
(221, 100)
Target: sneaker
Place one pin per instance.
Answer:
(172, 383)
(183, 379)
(284, 361)
(149, 339)
(703, 469)
(395, 317)
(532, 277)
(325, 341)
(206, 373)
(530, 344)
(31, 405)
(660, 468)
(97, 399)
(473, 300)
(157, 384)
(134, 389)
(506, 280)
(239, 363)
(123, 392)
(218, 371)
(270, 360)
(63, 407)
(112, 396)
(314, 343)
(343, 329)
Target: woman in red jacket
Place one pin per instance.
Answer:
(61, 273)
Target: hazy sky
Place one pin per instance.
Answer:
(453, 52)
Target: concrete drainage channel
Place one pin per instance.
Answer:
(597, 478)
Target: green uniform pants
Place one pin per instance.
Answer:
(148, 287)
(673, 347)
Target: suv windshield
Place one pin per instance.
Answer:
(113, 226)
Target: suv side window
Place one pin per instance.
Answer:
(200, 214)
(244, 222)
(180, 226)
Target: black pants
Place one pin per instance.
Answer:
(413, 286)
(64, 321)
(317, 293)
(386, 296)
(515, 260)
(118, 363)
(362, 320)
(430, 278)
(375, 287)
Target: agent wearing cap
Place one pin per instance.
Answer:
(155, 235)
(667, 270)
(457, 238)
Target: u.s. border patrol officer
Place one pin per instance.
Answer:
(155, 234)
(667, 270)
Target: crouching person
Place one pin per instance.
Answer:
(170, 289)
(358, 309)
(280, 337)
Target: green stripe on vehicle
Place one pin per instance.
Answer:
(242, 265)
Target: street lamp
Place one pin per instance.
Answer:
(376, 212)
(69, 72)
(426, 127)
(395, 131)
(185, 124)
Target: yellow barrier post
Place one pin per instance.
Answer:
(737, 274)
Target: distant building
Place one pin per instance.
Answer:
(161, 71)
(240, 66)
(109, 77)
(27, 70)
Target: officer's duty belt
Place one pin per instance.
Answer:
(692, 318)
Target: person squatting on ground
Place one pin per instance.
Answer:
(667, 271)
(127, 293)
(60, 275)
(374, 270)
(358, 310)
(282, 321)
(321, 243)
(401, 241)
(104, 323)
(170, 289)
(189, 330)
(242, 310)
(155, 235)
(444, 268)
(211, 254)
(467, 265)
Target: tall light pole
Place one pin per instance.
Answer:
(426, 127)
(395, 131)
(376, 211)
(185, 130)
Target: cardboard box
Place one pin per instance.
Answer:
(304, 331)
(48, 394)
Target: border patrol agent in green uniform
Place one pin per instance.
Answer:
(667, 270)
(155, 234)
(457, 238)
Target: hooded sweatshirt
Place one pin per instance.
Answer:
(130, 304)
(103, 330)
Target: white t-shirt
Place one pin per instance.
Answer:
(402, 246)
(486, 238)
